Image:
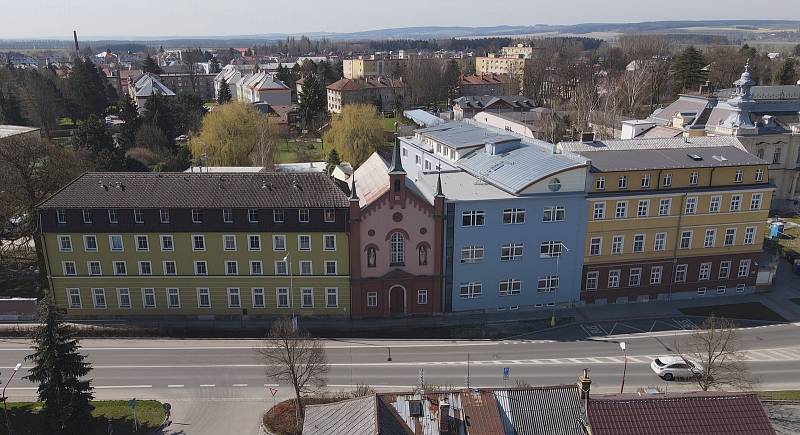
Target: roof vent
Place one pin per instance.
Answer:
(695, 157)
(587, 136)
(720, 158)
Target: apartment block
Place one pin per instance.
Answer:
(197, 245)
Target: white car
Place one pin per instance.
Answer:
(676, 367)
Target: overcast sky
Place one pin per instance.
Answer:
(93, 18)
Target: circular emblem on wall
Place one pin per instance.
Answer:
(423, 230)
(397, 217)
(554, 185)
(371, 233)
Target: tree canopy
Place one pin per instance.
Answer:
(150, 66)
(312, 100)
(234, 134)
(224, 94)
(356, 132)
(86, 90)
(687, 69)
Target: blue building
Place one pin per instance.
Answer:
(515, 215)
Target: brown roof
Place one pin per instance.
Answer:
(200, 190)
(345, 85)
(481, 413)
(485, 79)
(684, 414)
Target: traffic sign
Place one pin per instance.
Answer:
(506, 373)
(273, 391)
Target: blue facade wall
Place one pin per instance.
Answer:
(493, 234)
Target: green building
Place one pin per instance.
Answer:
(197, 245)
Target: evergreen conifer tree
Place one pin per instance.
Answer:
(787, 75)
(333, 161)
(687, 69)
(224, 94)
(150, 66)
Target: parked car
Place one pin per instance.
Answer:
(676, 367)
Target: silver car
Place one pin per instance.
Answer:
(676, 367)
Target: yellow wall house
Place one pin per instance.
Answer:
(197, 245)
(667, 223)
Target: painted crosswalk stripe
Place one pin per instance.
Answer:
(634, 359)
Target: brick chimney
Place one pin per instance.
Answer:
(444, 416)
(584, 385)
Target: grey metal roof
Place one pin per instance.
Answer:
(422, 117)
(354, 416)
(463, 134)
(651, 143)
(149, 84)
(708, 157)
(684, 103)
(482, 101)
(541, 410)
(779, 92)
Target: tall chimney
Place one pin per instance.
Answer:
(584, 385)
(444, 416)
(75, 37)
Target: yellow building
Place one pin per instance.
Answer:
(197, 245)
(667, 221)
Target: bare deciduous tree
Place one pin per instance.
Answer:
(296, 358)
(715, 346)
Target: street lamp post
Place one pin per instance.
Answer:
(624, 366)
(288, 261)
(555, 291)
(5, 399)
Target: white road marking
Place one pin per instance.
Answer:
(111, 387)
(258, 345)
(239, 385)
(270, 385)
(175, 386)
(207, 385)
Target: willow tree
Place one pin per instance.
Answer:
(234, 134)
(356, 133)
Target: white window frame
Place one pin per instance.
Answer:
(622, 182)
(600, 183)
(681, 272)
(691, 205)
(335, 267)
(260, 292)
(744, 268)
(173, 263)
(325, 239)
(592, 279)
(236, 266)
(87, 216)
(704, 272)
(303, 215)
(61, 216)
(86, 239)
(306, 291)
(277, 268)
(643, 208)
(730, 234)
(665, 206)
(138, 238)
(598, 211)
(203, 291)
(636, 273)
(120, 293)
(710, 238)
(477, 218)
(225, 239)
(755, 201)
(250, 239)
(141, 263)
(694, 178)
(197, 216)
(196, 268)
(759, 175)
(99, 292)
(724, 269)
(163, 215)
(656, 274)
(638, 242)
(736, 202)
(372, 299)
(645, 181)
(195, 238)
(329, 215)
(275, 240)
(227, 215)
(278, 215)
(554, 214)
(595, 246)
(116, 271)
(422, 297)
(613, 278)
(474, 290)
(234, 291)
(300, 265)
(149, 292)
(621, 210)
(738, 176)
(684, 238)
(89, 268)
(62, 247)
(74, 292)
(113, 216)
(164, 237)
(715, 204)
(282, 291)
(300, 238)
(514, 252)
(260, 266)
(64, 265)
(749, 235)
(331, 291)
(513, 216)
(472, 254)
(252, 215)
(111, 238)
(548, 284)
(617, 244)
(667, 179)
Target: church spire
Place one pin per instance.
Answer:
(353, 194)
(439, 182)
(397, 163)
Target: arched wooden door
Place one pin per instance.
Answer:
(397, 300)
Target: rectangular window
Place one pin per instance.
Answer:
(330, 267)
(644, 208)
(686, 240)
(739, 176)
(167, 243)
(554, 214)
(332, 299)
(744, 268)
(90, 243)
(145, 268)
(87, 216)
(713, 204)
(667, 180)
(200, 268)
(229, 242)
(724, 269)
(231, 268)
(148, 298)
(142, 243)
(303, 243)
(655, 275)
(282, 297)
(330, 242)
(693, 178)
(591, 280)
(755, 201)
(664, 206)
(69, 268)
(550, 249)
(256, 267)
(511, 252)
(740, 288)
(281, 267)
(701, 291)
(173, 298)
(730, 236)
(303, 215)
(65, 243)
(115, 243)
(279, 242)
(94, 268)
(711, 235)
(197, 216)
(759, 175)
(203, 298)
(635, 277)
(99, 296)
(600, 183)
(234, 298)
(306, 267)
(595, 246)
(617, 244)
(548, 284)
(227, 215)
(599, 211)
(306, 298)
(613, 278)
(422, 297)
(61, 216)
(198, 242)
(472, 254)
(736, 202)
(622, 210)
(120, 268)
(123, 298)
(680, 272)
(278, 215)
(691, 205)
(721, 290)
(163, 215)
(258, 297)
(254, 242)
(372, 299)
(749, 235)
(645, 181)
(474, 218)
(170, 268)
(638, 243)
(113, 216)
(513, 216)
(776, 156)
(252, 215)
(704, 273)
(509, 287)
(74, 295)
(330, 215)
(622, 183)
(470, 290)
(660, 242)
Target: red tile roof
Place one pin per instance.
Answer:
(684, 414)
(345, 85)
(485, 79)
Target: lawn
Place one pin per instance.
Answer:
(299, 150)
(779, 395)
(25, 420)
(743, 311)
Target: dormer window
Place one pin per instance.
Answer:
(61, 216)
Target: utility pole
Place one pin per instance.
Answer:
(467, 370)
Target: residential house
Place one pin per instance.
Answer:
(541, 123)
(395, 246)
(231, 74)
(386, 94)
(671, 218)
(486, 84)
(144, 87)
(373, 66)
(466, 107)
(262, 86)
(514, 215)
(195, 83)
(197, 246)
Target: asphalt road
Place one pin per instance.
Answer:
(219, 386)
